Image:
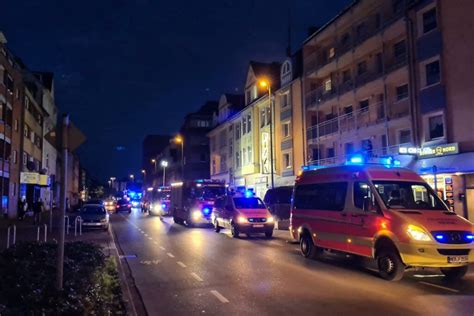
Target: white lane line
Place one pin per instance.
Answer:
(440, 287)
(182, 265)
(197, 277)
(146, 235)
(219, 296)
(155, 242)
(162, 248)
(150, 238)
(170, 255)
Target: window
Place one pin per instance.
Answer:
(364, 105)
(433, 71)
(244, 126)
(285, 100)
(328, 85)
(269, 115)
(248, 97)
(346, 75)
(26, 132)
(400, 50)
(287, 161)
(362, 68)
(263, 115)
(27, 103)
(429, 21)
(404, 136)
(349, 148)
(330, 152)
(321, 196)
(249, 155)
(237, 159)
(244, 156)
(436, 127)
(402, 92)
(362, 192)
(25, 159)
(223, 166)
(286, 129)
(237, 130)
(249, 123)
(331, 52)
(348, 110)
(366, 145)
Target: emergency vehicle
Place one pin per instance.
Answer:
(379, 211)
(245, 214)
(192, 201)
(159, 203)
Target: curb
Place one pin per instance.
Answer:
(134, 302)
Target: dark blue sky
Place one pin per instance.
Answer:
(127, 68)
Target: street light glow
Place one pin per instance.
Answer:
(132, 176)
(153, 161)
(178, 139)
(264, 83)
(164, 163)
(143, 171)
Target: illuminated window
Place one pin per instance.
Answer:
(332, 52)
(286, 129)
(328, 85)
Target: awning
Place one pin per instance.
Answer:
(463, 163)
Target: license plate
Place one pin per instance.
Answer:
(457, 259)
(258, 226)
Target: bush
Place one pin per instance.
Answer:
(28, 275)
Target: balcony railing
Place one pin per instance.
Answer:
(361, 118)
(320, 95)
(395, 63)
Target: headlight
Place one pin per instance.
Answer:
(156, 207)
(196, 215)
(418, 233)
(241, 220)
(270, 219)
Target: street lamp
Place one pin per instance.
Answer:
(164, 164)
(153, 161)
(264, 83)
(179, 140)
(132, 177)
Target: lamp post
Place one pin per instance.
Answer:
(179, 140)
(266, 84)
(164, 164)
(144, 176)
(132, 177)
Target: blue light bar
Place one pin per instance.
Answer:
(206, 210)
(470, 237)
(358, 159)
(248, 193)
(439, 237)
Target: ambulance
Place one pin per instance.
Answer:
(379, 211)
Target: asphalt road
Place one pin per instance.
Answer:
(183, 271)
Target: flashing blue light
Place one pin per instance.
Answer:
(470, 237)
(163, 206)
(356, 160)
(248, 193)
(306, 168)
(439, 237)
(206, 210)
(132, 194)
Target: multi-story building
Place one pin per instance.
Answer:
(152, 150)
(388, 78)
(289, 118)
(222, 138)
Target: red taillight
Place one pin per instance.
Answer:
(128, 205)
(117, 206)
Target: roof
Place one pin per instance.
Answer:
(341, 13)
(237, 100)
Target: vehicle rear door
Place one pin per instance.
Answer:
(366, 219)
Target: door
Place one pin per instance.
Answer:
(365, 219)
(470, 204)
(228, 212)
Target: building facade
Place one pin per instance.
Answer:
(384, 78)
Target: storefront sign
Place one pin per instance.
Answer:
(431, 151)
(29, 177)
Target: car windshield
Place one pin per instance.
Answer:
(93, 210)
(409, 195)
(209, 192)
(246, 203)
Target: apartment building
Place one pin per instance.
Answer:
(221, 138)
(390, 77)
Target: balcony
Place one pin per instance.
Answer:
(367, 76)
(319, 95)
(395, 63)
(361, 118)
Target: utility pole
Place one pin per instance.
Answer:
(62, 207)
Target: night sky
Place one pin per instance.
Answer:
(127, 68)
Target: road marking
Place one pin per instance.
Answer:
(439, 287)
(197, 277)
(155, 242)
(150, 238)
(219, 296)
(182, 265)
(162, 248)
(170, 255)
(146, 235)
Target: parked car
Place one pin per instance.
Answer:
(278, 201)
(110, 205)
(382, 212)
(242, 214)
(123, 205)
(94, 202)
(94, 216)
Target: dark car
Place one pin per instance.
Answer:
(94, 216)
(123, 205)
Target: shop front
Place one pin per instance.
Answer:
(449, 173)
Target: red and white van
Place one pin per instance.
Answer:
(386, 213)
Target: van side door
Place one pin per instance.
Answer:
(365, 217)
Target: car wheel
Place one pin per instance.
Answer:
(454, 273)
(391, 267)
(269, 234)
(234, 230)
(308, 249)
(106, 228)
(216, 226)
